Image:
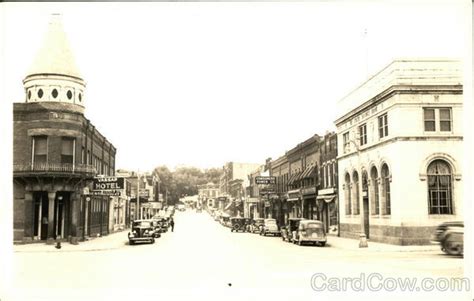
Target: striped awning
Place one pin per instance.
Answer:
(308, 172)
(294, 177)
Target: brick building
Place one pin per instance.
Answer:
(57, 151)
(304, 162)
(327, 200)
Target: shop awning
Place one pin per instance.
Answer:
(308, 172)
(294, 178)
(326, 198)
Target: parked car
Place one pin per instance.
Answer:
(310, 231)
(450, 236)
(289, 228)
(163, 226)
(157, 228)
(225, 220)
(142, 231)
(256, 225)
(270, 227)
(238, 224)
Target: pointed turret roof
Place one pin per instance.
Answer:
(55, 55)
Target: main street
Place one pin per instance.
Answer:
(201, 257)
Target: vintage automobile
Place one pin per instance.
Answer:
(142, 231)
(225, 220)
(291, 226)
(310, 231)
(238, 224)
(256, 225)
(450, 236)
(270, 226)
(162, 226)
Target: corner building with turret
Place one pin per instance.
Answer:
(57, 151)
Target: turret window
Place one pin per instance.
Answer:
(54, 93)
(40, 93)
(69, 94)
(29, 94)
(80, 96)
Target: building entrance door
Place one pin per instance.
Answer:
(40, 222)
(365, 203)
(60, 214)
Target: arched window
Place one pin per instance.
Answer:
(348, 194)
(375, 191)
(355, 181)
(439, 188)
(386, 190)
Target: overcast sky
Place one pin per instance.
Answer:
(205, 83)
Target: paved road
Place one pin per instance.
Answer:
(204, 259)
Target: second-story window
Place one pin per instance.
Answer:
(67, 150)
(363, 134)
(383, 125)
(40, 149)
(345, 142)
(429, 119)
(331, 175)
(437, 119)
(445, 119)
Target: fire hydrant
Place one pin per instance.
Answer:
(363, 241)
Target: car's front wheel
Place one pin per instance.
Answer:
(452, 246)
(152, 240)
(131, 242)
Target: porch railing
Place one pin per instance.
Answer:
(54, 168)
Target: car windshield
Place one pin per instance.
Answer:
(313, 226)
(141, 224)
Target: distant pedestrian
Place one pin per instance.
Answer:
(172, 224)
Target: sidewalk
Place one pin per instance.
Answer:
(353, 244)
(112, 241)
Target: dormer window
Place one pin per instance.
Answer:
(54, 93)
(29, 94)
(69, 94)
(40, 93)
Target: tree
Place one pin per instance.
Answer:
(184, 180)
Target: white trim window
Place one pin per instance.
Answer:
(437, 119)
(345, 142)
(383, 125)
(363, 134)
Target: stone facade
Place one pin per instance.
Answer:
(400, 151)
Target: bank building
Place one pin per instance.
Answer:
(57, 151)
(400, 141)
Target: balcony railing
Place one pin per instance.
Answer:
(54, 168)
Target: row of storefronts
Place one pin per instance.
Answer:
(392, 168)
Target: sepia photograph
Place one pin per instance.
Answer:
(236, 150)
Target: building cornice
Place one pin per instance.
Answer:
(397, 139)
(396, 90)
